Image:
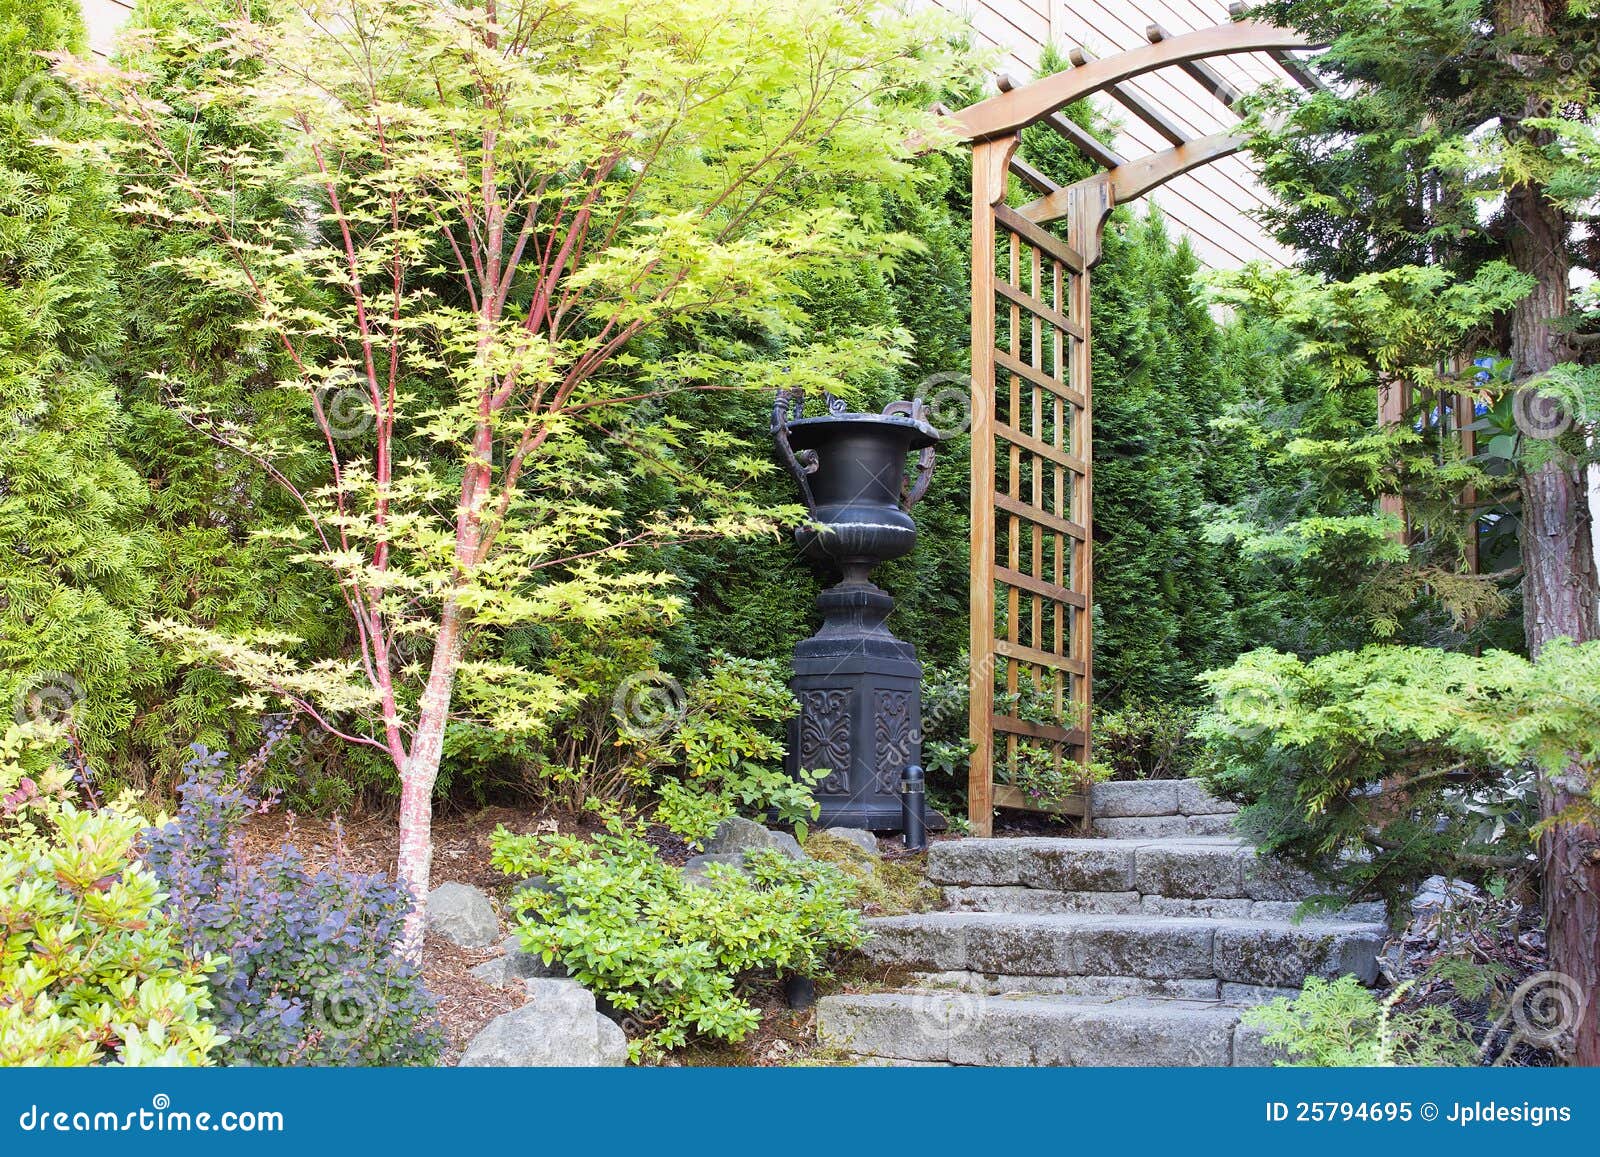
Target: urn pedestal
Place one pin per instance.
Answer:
(859, 687)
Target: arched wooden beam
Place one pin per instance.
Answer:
(1014, 110)
(1136, 178)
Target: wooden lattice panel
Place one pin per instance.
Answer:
(1031, 545)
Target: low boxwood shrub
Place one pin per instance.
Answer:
(311, 971)
(672, 950)
(91, 969)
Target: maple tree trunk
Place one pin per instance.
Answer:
(421, 771)
(1559, 591)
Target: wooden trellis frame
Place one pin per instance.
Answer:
(1032, 517)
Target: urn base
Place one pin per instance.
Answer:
(860, 721)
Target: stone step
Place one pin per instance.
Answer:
(1014, 898)
(1104, 986)
(1267, 953)
(1184, 869)
(932, 1027)
(1162, 827)
(1158, 809)
(1155, 797)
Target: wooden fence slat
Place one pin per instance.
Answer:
(1009, 219)
(1037, 377)
(1073, 736)
(1068, 805)
(1039, 586)
(1023, 654)
(1039, 309)
(1027, 442)
(1041, 517)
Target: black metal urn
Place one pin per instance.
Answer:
(859, 687)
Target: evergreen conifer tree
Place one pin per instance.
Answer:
(70, 575)
(1446, 140)
(205, 506)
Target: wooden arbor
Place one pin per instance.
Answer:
(1032, 549)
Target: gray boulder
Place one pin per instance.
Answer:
(515, 966)
(1433, 908)
(860, 837)
(694, 869)
(558, 1027)
(737, 834)
(612, 1042)
(463, 915)
(531, 966)
(1437, 893)
(533, 884)
(491, 971)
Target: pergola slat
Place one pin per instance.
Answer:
(1072, 132)
(1009, 111)
(1136, 104)
(1207, 77)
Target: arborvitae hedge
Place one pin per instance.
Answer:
(73, 571)
(1167, 600)
(204, 502)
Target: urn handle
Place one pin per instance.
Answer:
(912, 490)
(787, 406)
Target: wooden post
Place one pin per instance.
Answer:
(989, 168)
(1091, 206)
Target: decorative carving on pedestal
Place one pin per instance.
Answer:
(892, 730)
(825, 737)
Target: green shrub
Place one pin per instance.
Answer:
(671, 950)
(1380, 767)
(633, 736)
(946, 749)
(585, 752)
(308, 963)
(1045, 778)
(1339, 1023)
(1146, 740)
(91, 969)
(729, 750)
(35, 784)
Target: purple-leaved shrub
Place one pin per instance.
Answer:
(314, 974)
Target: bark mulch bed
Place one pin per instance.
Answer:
(461, 852)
